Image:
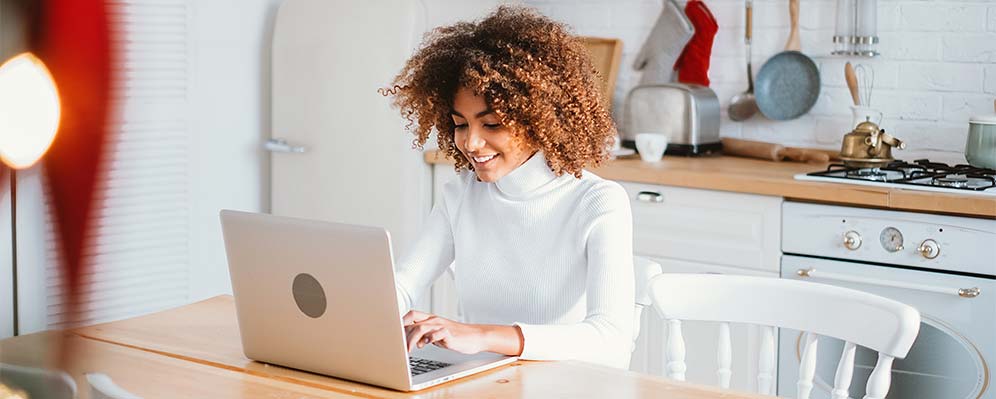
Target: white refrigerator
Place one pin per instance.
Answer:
(339, 151)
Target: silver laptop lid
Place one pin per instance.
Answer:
(317, 296)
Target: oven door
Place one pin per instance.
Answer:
(952, 355)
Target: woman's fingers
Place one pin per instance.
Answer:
(414, 316)
(422, 329)
(418, 333)
(414, 334)
(437, 337)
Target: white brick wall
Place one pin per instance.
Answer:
(990, 86)
(938, 65)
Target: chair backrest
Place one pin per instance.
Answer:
(644, 270)
(856, 317)
(38, 383)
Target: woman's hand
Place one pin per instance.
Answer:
(423, 329)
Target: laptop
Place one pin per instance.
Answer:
(320, 297)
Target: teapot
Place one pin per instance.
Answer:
(868, 146)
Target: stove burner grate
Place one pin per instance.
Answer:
(869, 174)
(920, 172)
(958, 181)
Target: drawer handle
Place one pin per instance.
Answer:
(650, 196)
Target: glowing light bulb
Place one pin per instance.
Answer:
(29, 110)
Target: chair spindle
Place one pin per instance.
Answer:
(675, 351)
(807, 366)
(880, 378)
(845, 370)
(724, 355)
(766, 363)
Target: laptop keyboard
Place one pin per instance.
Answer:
(421, 366)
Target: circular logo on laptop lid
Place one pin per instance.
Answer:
(309, 295)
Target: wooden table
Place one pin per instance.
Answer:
(147, 374)
(195, 351)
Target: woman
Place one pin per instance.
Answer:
(542, 250)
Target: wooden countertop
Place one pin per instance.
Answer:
(205, 335)
(753, 176)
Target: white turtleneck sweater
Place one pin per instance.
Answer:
(553, 255)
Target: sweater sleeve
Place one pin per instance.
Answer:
(605, 334)
(427, 259)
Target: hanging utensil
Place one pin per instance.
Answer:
(852, 83)
(866, 82)
(744, 105)
(788, 85)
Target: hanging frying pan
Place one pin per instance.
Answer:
(788, 84)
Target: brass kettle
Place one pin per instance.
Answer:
(867, 146)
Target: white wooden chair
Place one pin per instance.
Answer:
(37, 382)
(101, 387)
(56, 384)
(856, 317)
(644, 270)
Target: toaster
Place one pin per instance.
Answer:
(687, 114)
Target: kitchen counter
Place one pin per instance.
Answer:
(752, 176)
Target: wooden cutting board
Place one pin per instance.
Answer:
(605, 55)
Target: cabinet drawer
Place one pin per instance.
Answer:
(720, 228)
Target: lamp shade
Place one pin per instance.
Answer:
(29, 110)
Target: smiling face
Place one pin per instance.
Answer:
(490, 147)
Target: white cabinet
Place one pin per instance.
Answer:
(703, 231)
(711, 227)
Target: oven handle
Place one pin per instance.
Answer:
(961, 292)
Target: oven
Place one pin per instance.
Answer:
(944, 266)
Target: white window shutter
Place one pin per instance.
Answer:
(139, 258)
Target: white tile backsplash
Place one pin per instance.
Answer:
(976, 47)
(935, 16)
(937, 68)
(990, 85)
(941, 77)
(992, 18)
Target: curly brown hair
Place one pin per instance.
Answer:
(532, 72)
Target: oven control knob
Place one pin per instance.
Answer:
(852, 240)
(929, 249)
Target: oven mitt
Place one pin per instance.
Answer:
(664, 44)
(693, 63)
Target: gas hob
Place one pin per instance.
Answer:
(921, 175)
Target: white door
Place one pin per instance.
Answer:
(357, 165)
